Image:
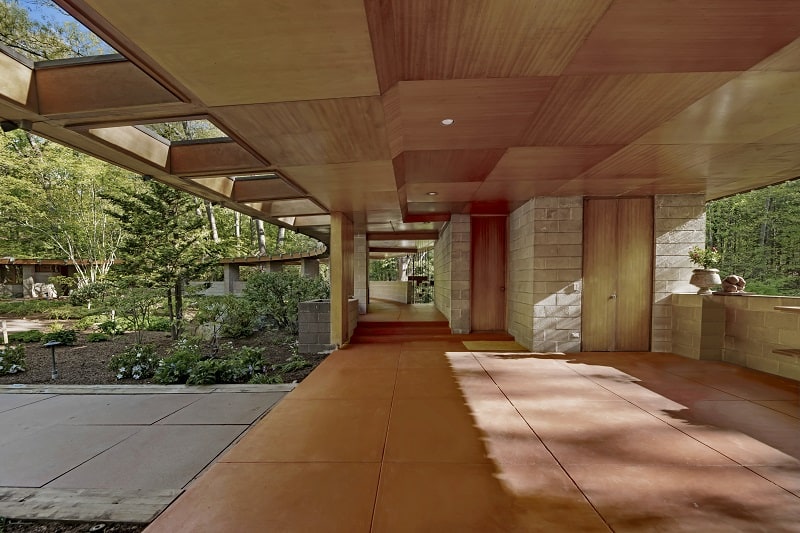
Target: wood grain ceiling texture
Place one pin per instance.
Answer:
(548, 97)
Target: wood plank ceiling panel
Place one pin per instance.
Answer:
(448, 166)
(656, 161)
(490, 113)
(586, 110)
(748, 108)
(349, 187)
(548, 162)
(686, 36)
(239, 51)
(314, 132)
(787, 59)
(515, 190)
(451, 192)
(457, 39)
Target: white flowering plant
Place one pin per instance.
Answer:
(138, 362)
(12, 360)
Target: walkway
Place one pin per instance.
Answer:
(427, 436)
(119, 453)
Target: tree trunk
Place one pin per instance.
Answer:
(237, 225)
(178, 309)
(262, 239)
(171, 308)
(281, 239)
(212, 222)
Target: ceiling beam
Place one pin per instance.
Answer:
(402, 235)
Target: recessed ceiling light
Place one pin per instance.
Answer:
(432, 193)
(448, 122)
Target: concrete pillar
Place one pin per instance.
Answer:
(361, 271)
(341, 271)
(230, 276)
(28, 280)
(310, 268)
(274, 266)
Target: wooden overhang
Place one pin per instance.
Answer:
(344, 101)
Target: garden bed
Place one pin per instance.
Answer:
(86, 363)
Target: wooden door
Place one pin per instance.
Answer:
(488, 288)
(618, 274)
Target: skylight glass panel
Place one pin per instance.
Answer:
(185, 130)
(41, 31)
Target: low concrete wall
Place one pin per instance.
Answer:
(396, 291)
(314, 319)
(745, 330)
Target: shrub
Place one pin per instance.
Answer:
(266, 379)
(111, 327)
(238, 319)
(137, 362)
(25, 336)
(27, 307)
(178, 365)
(276, 295)
(12, 360)
(96, 337)
(88, 293)
(294, 363)
(90, 321)
(158, 323)
(59, 334)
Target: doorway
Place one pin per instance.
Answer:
(617, 273)
(488, 289)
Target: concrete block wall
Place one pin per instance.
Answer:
(314, 319)
(697, 326)
(396, 291)
(361, 271)
(460, 261)
(353, 310)
(680, 224)
(753, 329)
(519, 289)
(557, 273)
(744, 330)
(441, 268)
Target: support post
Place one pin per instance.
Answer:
(341, 269)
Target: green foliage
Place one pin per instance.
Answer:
(294, 363)
(276, 295)
(96, 337)
(157, 323)
(111, 327)
(12, 360)
(137, 362)
(27, 307)
(266, 379)
(233, 314)
(178, 365)
(705, 258)
(89, 293)
(60, 334)
(383, 269)
(758, 235)
(134, 306)
(25, 336)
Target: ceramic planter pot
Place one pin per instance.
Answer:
(704, 279)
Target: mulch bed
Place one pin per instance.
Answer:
(26, 526)
(86, 363)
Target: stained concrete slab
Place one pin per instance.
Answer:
(41, 456)
(156, 457)
(225, 408)
(12, 401)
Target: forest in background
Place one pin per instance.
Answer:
(758, 235)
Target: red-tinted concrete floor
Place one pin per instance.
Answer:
(425, 436)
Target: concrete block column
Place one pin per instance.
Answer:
(460, 280)
(310, 268)
(361, 271)
(230, 276)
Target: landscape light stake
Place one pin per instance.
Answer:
(52, 345)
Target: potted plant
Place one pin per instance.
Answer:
(705, 277)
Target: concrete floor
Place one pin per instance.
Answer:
(427, 436)
(125, 440)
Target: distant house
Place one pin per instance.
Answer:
(14, 272)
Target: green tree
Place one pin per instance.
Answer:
(165, 243)
(50, 204)
(758, 234)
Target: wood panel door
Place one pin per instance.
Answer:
(488, 288)
(618, 274)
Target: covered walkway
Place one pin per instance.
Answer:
(428, 436)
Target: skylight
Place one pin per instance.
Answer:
(41, 31)
(185, 130)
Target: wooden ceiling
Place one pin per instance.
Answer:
(344, 100)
